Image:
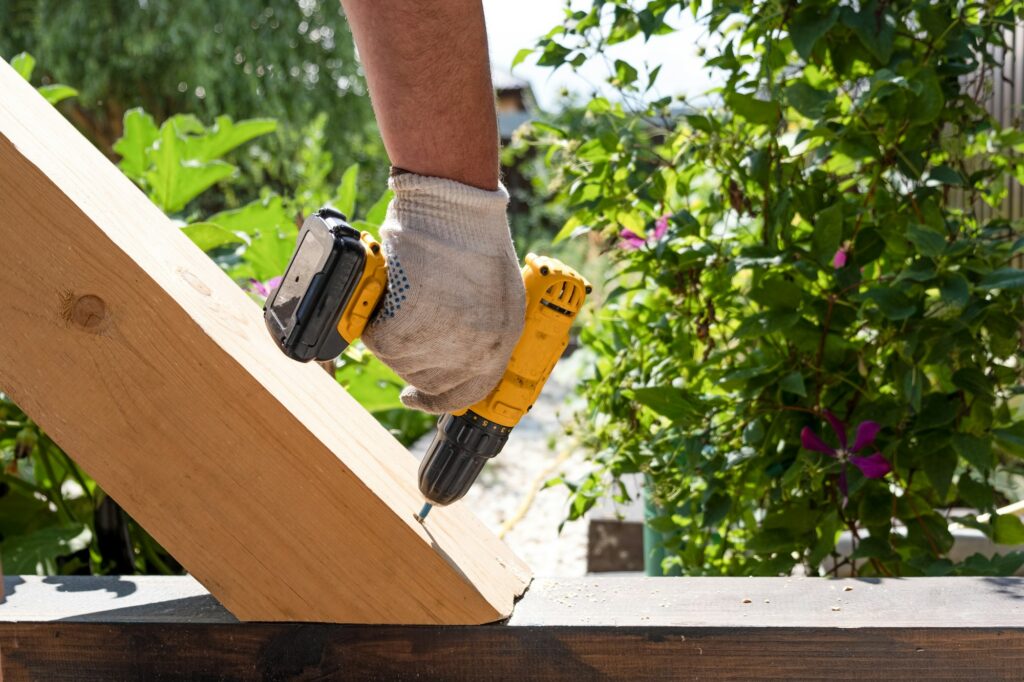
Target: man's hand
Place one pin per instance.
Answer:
(455, 304)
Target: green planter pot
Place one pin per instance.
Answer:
(654, 542)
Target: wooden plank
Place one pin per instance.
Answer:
(610, 628)
(153, 370)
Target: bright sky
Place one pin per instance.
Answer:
(515, 24)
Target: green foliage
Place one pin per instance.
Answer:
(289, 61)
(54, 518)
(824, 251)
(181, 159)
(55, 93)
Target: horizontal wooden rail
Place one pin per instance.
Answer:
(65, 628)
(154, 371)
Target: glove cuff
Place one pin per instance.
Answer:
(468, 217)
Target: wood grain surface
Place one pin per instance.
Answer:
(153, 370)
(69, 628)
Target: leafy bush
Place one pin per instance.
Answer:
(53, 516)
(290, 61)
(805, 260)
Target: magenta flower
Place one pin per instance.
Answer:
(631, 241)
(872, 466)
(839, 260)
(264, 289)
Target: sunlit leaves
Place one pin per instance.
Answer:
(140, 132)
(835, 257)
(24, 64)
(809, 25)
(182, 159)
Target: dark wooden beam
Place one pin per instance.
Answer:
(63, 628)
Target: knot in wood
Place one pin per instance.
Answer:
(88, 312)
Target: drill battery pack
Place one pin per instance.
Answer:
(330, 290)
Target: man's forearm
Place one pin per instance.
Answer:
(427, 67)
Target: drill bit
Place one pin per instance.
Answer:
(424, 511)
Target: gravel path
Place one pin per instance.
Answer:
(506, 482)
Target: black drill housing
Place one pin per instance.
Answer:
(460, 450)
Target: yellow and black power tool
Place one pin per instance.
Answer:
(331, 290)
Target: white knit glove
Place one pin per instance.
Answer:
(455, 304)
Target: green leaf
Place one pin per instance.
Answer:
(1011, 439)
(973, 380)
(936, 410)
(57, 93)
(186, 124)
(793, 383)
(675, 403)
(268, 254)
(1004, 278)
(955, 289)
(553, 54)
(946, 176)
(893, 304)
(140, 132)
(715, 509)
(809, 25)
(874, 26)
(174, 182)
(928, 242)
(371, 228)
(808, 100)
(976, 451)
(929, 100)
(224, 136)
(699, 122)
(1007, 529)
(208, 236)
(372, 383)
(875, 507)
(174, 188)
(569, 229)
(377, 212)
(24, 64)
(977, 495)
(758, 325)
(520, 56)
(777, 293)
(625, 74)
(939, 466)
(37, 552)
(345, 201)
(828, 234)
(262, 215)
(632, 221)
(874, 547)
(753, 109)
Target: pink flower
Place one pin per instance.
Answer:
(631, 241)
(839, 260)
(264, 289)
(872, 466)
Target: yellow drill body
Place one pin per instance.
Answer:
(554, 295)
(335, 282)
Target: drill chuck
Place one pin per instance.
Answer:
(459, 451)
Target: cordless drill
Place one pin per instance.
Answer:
(332, 289)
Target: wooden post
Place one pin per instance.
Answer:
(153, 370)
(71, 628)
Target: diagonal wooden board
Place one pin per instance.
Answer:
(263, 477)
